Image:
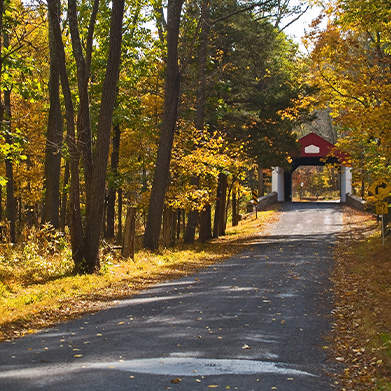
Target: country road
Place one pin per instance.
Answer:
(255, 322)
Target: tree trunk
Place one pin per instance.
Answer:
(235, 221)
(228, 203)
(178, 224)
(9, 171)
(168, 227)
(54, 138)
(209, 234)
(261, 184)
(5, 122)
(119, 208)
(112, 185)
(192, 218)
(170, 115)
(95, 198)
(203, 226)
(129, 233)
(200, 105)
(223, 196)
(202, 65)
(85, 244)
(172, 228)
(64, 197)
(74, 212)
(216, 229)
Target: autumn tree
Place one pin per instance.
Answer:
(93, 151)
(20, 25)
(54, 138)
(168, 126)
(351, 66)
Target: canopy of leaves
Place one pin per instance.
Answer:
(351, 63)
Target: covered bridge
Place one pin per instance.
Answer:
(314, 151)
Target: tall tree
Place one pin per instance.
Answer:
(21, 29)
(94, 153)
(200, 105)
(112, 191)
(170, 116)
(54, 138)
(5, 123)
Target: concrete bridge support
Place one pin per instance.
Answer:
(278, 183)
(346, 182)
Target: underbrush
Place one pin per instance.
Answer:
(43, 255)
(37, 288)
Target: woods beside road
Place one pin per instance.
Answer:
(176, 107)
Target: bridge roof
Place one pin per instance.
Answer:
(314, 146)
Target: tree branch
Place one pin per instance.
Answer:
(90, 36)
(336, 89)
(295, 19)
(239, 11)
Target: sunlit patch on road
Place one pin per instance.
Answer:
(181, 366)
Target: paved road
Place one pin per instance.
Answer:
(255, 322)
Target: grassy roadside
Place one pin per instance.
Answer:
(36, 289)
(362, 316)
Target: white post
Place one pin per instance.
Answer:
(346, 182)
(278, 182)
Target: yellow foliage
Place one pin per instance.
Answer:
(204, 155)
(351, 67)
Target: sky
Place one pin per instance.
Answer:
(297, 29)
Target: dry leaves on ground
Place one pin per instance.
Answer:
(362, 282)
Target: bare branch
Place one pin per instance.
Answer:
(295, 19)
(239, 11)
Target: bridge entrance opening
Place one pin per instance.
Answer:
(315, 183)
(315, 152)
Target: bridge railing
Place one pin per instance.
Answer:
(263, 202)
(355, 202)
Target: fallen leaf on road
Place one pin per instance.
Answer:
(175, 381)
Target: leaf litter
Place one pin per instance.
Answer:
(361, 335)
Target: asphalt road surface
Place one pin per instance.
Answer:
(255, 322)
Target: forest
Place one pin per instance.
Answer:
(174, 111)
